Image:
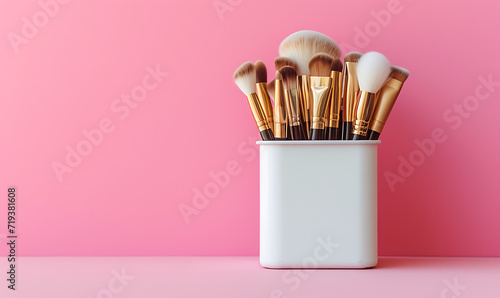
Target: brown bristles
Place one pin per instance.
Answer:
(244, 77)
(302, 45)
(279, 76)
(244, 70)
(337, 65)
(260, 72)
(289, 77)
(320, 65)
(352, 57)
(281, 62)
(270, 89)
(399, 73)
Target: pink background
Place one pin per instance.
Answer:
(123, 198)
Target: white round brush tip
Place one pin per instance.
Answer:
(373, 70)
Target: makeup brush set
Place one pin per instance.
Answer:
(315, 96)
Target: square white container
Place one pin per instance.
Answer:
(318, 204)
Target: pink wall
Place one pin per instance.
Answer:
(72, 71)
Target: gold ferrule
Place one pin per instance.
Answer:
(280, 123)
(320, 91)
(350, 89)
(386, 99)
(292, 107)
(363, 112)
(258, 112)
(335, 100)
(304, 94)
(265, 101)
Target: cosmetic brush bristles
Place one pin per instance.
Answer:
(387, 97)
(302, 45)
(399, 73)
(271, 89)
(333, 109)
(260, 72)
(261, 81)
(373, 70)
(281, 62)
(320, 67)
(245, 79)
(337, 65)
(292, 103)
(352, 57)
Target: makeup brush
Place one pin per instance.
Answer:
(320, 67)
(350, 88)
(245, 79)
(261, 80)
(292, 103)
(300, 47)
(386, 99)
(333, 114)
(280, 118)
(373, 70)
(281, 62)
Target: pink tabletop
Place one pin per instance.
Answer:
(177, 277)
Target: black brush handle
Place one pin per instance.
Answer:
(296, 132)
(280, 139)
(357, 137)
(267, 135)
(347, 131)
(303, 132)
(334, 134)
(373, 135)
(317, 134)
(341, 125)
(328, 132)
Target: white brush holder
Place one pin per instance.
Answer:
(318, 204)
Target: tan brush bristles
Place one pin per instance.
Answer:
(278, 76)
(337, 65)
(260, 72)
(289, 77)
(399, 73)
(271, 89)
(302, 45)
(321, 65)
(244, 77)
(352, 57)
(281, 62)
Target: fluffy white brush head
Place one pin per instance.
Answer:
(244, 77)
(373, 70)
(302, 45)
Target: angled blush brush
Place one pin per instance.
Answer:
(244, 77)
(386, 99)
